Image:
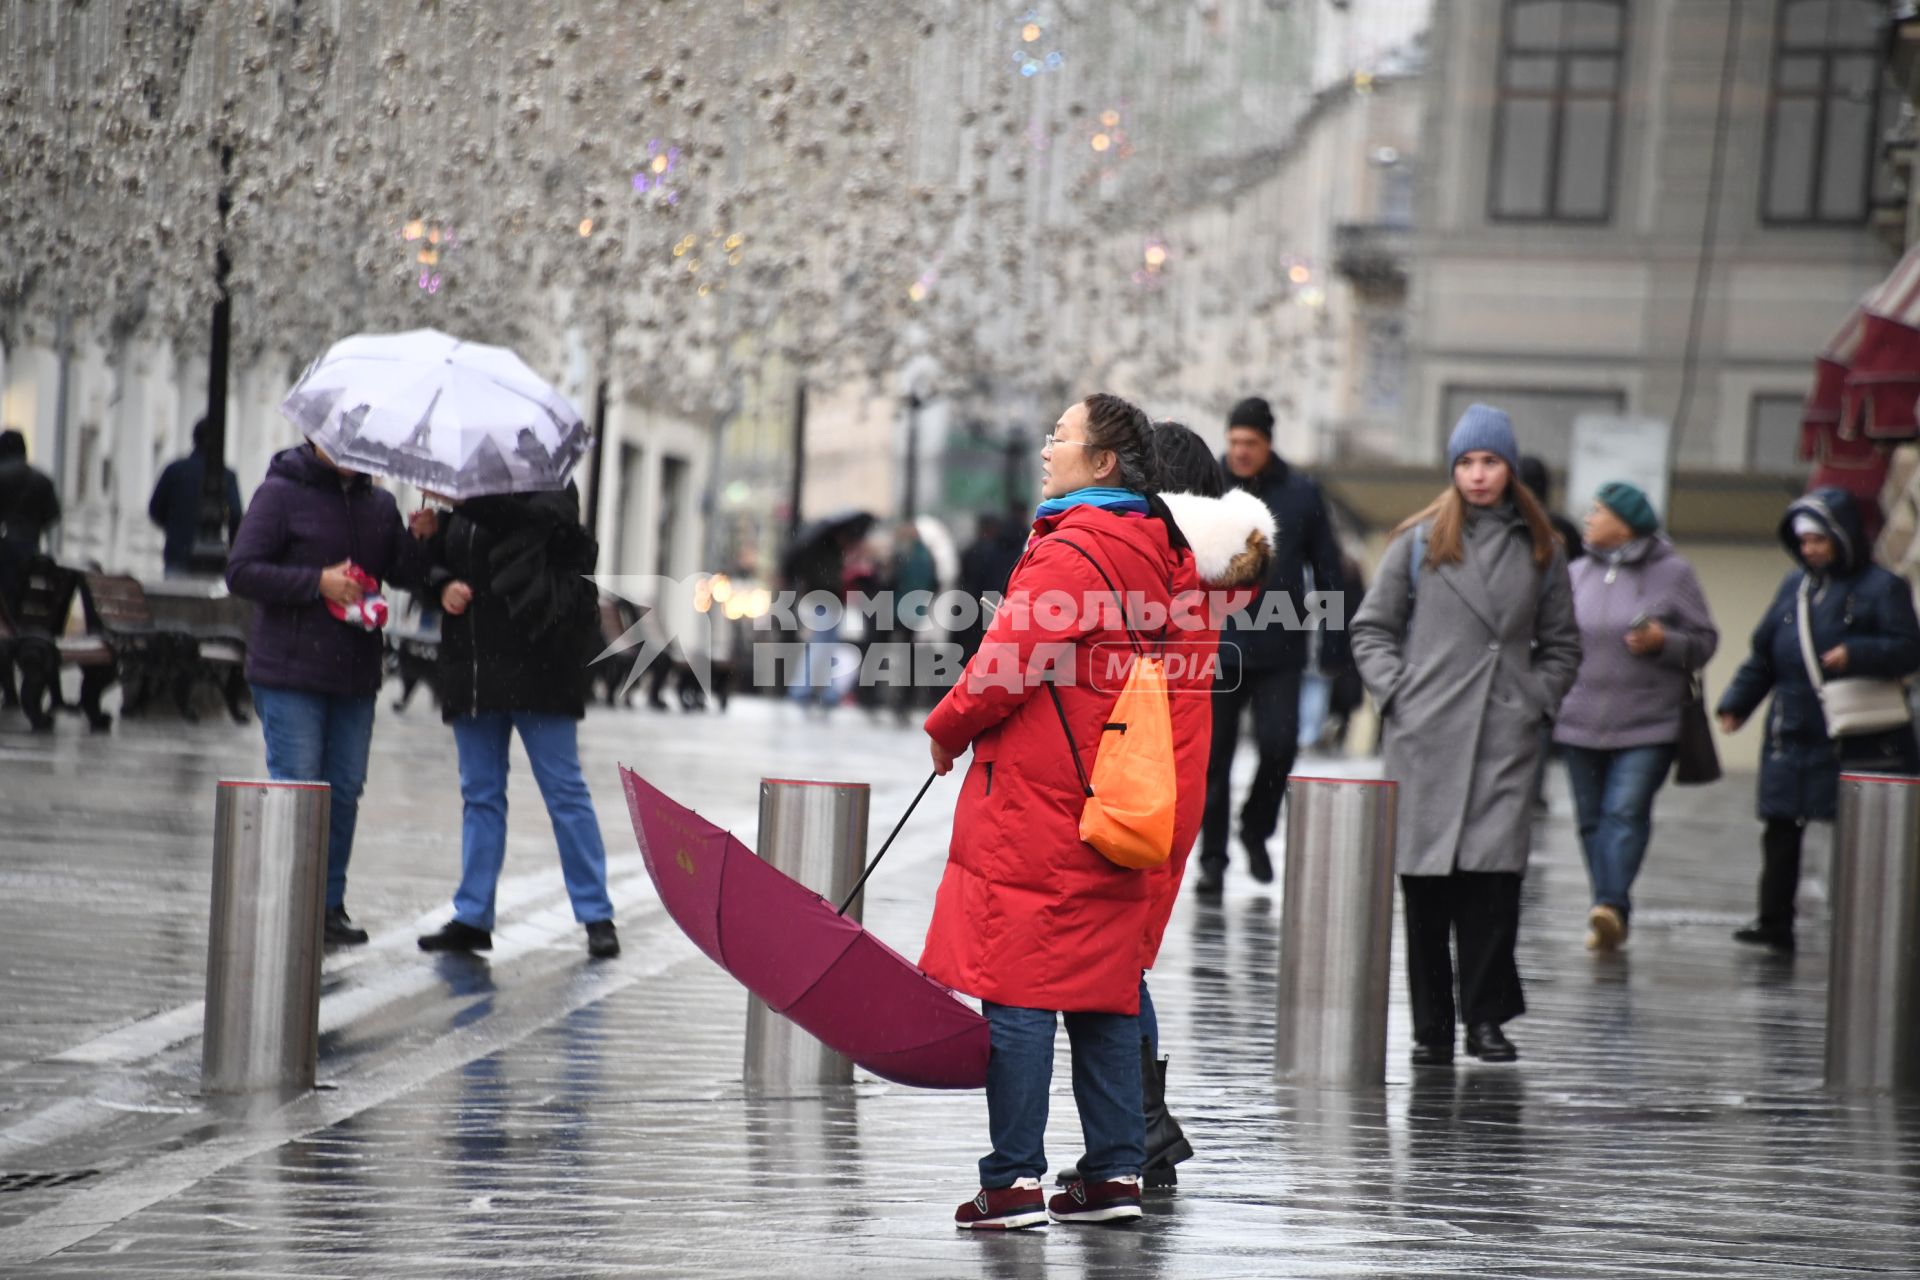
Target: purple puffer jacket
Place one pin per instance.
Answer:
(304, 517)
(1620, 699)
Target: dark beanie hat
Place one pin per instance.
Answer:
(1629, 503)
(1252, 412)
(12, 445)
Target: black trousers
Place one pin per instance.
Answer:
(1479, 913)
(1780, 872)
(1275, 696)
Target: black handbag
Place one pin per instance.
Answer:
(1695, 761)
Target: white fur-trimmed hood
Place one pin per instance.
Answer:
(1232, 536)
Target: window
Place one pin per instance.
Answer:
(1385, 367)
(1822, 112)
(1773, 433)
(1557, 110)
(1543, 417)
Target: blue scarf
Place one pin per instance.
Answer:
(1107, 499)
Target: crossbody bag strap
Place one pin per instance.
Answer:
(1086, 788)
(1138, 646)
(1803, 623)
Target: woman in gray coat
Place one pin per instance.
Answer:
(1468, 643)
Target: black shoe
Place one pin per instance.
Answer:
(1210, 882)
(602, 942)
(1259, 865)
(1488, 1043)
(455, 936)
(1759, 935)
(341, 931)
(1432, 1053)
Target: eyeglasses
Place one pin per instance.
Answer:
(1049, 441)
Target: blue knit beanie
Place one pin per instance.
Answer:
(1630, 503)
(1484, 427)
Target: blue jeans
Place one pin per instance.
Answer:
(1106, 1087)
(1613, 794)
(553, 749)
(321, 737)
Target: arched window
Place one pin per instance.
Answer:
(1557, 110)
(1822, 115)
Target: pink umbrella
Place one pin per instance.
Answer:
(786, 944)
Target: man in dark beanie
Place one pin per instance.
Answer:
(1261, 656)
(175, 505)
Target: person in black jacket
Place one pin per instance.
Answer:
(1263, 650)
(1862, 624)
(520, 625)
(29, 506)
(175, 505)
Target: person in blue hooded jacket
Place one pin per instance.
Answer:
(1862, 621)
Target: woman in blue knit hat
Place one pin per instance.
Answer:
(1467, 642)
(1644, 634)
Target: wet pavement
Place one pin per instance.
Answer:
(537, 1114)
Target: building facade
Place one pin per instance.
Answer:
(1653, 207)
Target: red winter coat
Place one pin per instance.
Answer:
(1231, 542)
(1028, 914)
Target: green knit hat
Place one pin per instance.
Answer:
(1630, 503)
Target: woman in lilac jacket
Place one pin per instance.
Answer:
(1644, 632)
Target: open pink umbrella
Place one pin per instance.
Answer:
(787, 945)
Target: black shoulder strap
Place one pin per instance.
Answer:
(1138, 645)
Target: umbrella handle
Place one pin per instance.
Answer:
(855, 892)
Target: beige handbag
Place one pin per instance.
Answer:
(1856, 704)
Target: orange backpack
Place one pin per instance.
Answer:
(1128, 815)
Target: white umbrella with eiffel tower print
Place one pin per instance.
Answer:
(455, 418)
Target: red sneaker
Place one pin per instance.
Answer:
(1004, 1208)
(1112, 1201)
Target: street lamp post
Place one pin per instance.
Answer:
(209, 554)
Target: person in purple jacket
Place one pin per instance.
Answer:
(1644, 632)
(314, 676)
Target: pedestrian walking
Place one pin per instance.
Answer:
(1833, 649)
(1030, 918)
(1467, 642)
(520, 623)
(1645, 633)
(1263, 650)
(176, 502)
(29, 506)
(312, 538)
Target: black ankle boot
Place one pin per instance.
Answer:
(1166, 1144)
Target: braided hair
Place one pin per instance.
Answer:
(1122, 427)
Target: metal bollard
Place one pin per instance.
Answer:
(1336, 933)
(815, 832)
(264, 939)
(1873, 980)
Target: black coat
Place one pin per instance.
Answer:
(525, 641)
(1303, 539)
(1857, 604)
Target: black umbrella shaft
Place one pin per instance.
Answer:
(858, 884)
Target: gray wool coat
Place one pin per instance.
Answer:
(1465, 678)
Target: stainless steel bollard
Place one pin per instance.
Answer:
(815, 832)
(1336, 933)
(1873, 980)
(264, 939)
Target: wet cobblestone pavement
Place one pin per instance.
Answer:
(536, 1114)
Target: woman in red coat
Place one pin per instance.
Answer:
(1230, 535)
(1029, 918)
